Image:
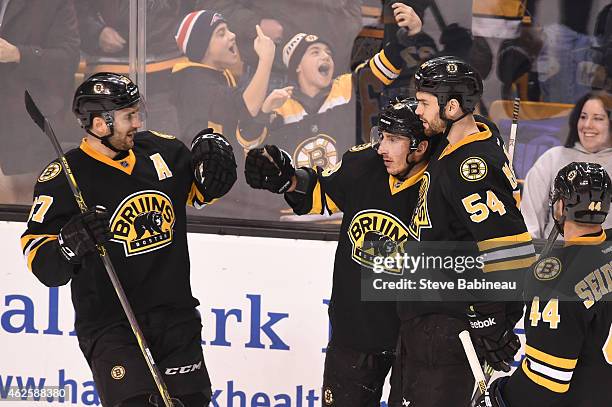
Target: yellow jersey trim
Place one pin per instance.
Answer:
(130, 160)
(483, 135)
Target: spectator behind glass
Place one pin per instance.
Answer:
(567, 46)
(337, 20)
(104, 27)
(589, 140)
(207, 95)
(39, 51)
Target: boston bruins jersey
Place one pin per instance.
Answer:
(145, 193)
(376, 207)
(568, 327)
(470, 195)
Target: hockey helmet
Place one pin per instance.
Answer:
(447, 78)
(586, 190)
(399, 118)
(101, 94)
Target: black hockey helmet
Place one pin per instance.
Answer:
(447, 78)
(103, 92)
(586, 190)
(100, 95)
(399, 118)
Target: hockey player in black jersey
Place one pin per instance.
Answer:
(139, 183)
(376, 188)
(568, 294)
(467, 196)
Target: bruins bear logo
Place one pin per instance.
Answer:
(148, 222)
(375, 233)
(143, 222)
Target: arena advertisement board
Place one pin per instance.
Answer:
(263, 305)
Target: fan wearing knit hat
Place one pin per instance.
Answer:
(309, 61)
(206, 92)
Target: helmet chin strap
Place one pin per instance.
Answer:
(404, 174)
(450, 122)
(108, 119)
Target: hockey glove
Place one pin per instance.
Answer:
(269, 168)
(494, 339)
(495, 398)
(83, 232)
(213, 163)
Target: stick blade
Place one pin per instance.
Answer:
(33, 111)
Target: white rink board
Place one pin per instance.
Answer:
(254, 280)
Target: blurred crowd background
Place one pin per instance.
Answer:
(292, 73)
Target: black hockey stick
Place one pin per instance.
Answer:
(42, 122)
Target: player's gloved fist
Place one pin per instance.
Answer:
(83, 232)
(494, 398)
(269, 168)
(494, 339)
(213, 163)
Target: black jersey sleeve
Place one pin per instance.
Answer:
(52, 207)
(480, 187)
(327, 189)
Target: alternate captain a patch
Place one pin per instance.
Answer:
(143, 222)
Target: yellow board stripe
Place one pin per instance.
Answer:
(562, 363)
(504, 241)
(544, 382)
(510, 264)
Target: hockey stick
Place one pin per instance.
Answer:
(479, 376)
(42, 122)
(512, 139)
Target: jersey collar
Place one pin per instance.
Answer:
(482, 135)
(396, 185)
(126, 165)
(590, 239)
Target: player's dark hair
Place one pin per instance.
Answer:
(572, 136)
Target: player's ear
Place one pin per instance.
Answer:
(98, 125)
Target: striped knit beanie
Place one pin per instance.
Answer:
(195, 31)
(296, 47)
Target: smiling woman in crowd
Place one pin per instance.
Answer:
(589, 140)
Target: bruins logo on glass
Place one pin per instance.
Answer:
(143, 222)
(331, 170)
(50, 172)
(547, 269)
(317, 151)
(420, 217)
(376, 233)
(473, 169)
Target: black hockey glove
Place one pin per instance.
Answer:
(495, 398)
(83, 232)
(494, 339)
(269, 168)
(213, 163)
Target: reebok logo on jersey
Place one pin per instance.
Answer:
(375, 233)
(420, 217)
(143, 222)
(483, 324)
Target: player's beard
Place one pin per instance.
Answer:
(123, 142)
